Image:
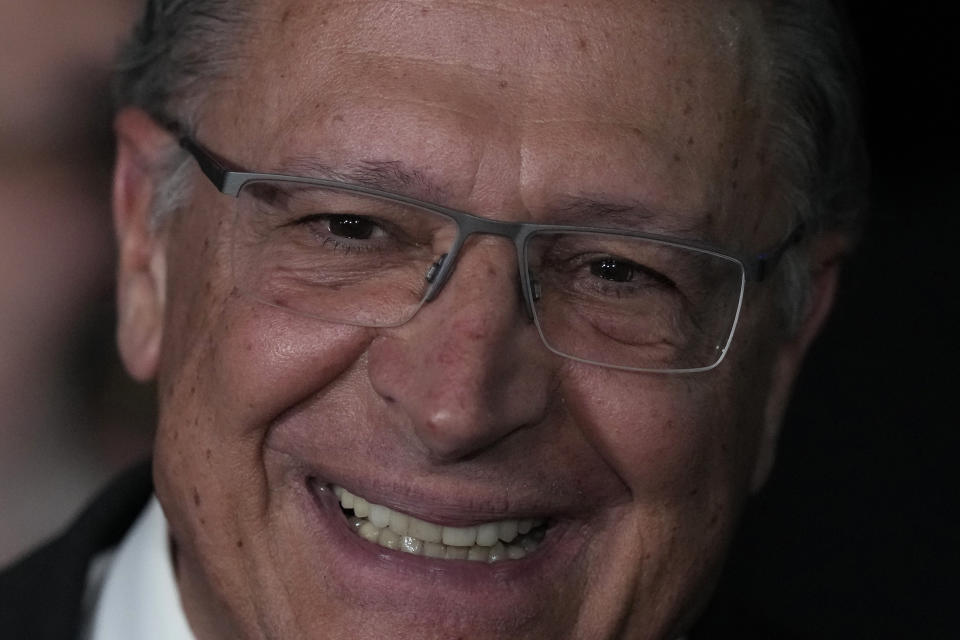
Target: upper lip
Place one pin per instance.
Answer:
(469, 507)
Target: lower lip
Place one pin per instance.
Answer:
(511, 591)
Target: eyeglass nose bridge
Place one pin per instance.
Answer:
(467, 225)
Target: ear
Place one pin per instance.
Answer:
(141, 270)
(825, 256)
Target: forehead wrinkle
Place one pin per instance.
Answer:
(472, 84)
(495, 69)
(481, 102)
(384, 54)
(543, 10)
(725, 28)
(593, 121)
(544, 36)
(390, 99)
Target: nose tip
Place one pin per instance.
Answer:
(449, 435)
(469, 369)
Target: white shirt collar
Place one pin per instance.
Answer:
(139, 598)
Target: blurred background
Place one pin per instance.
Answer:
(856, 536)
(68, 416)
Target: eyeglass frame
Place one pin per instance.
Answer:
(754, 268)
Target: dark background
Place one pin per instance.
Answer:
(857, 534)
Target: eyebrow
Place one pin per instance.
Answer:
(603, 211)
(392, 176)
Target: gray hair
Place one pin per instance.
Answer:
(181, 47)
(819, 158)
(177, 50)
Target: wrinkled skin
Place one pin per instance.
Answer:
(461, 415)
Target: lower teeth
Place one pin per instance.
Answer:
(520, 548)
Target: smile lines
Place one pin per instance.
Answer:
(488, 542)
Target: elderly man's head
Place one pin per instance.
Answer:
(496, 340)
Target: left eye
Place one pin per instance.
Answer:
(352, 227)
(613, 269)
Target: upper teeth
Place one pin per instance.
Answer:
(397, 530)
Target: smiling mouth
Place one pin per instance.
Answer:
(488, 542)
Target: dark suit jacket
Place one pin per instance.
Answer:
(40, 596)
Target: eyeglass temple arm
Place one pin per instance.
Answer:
(213, 168)
(767, 262)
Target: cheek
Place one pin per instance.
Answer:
(681, 446)
(671, 439)
(229, 368)
(249, 365)
(264, 361)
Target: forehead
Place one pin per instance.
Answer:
(639, 96)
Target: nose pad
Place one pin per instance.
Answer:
(434, 269)
(436, 276)
(535, 293)
(535, 289)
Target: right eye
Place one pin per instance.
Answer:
(618, 270)
(346, 229)
(613, 269)
(351, 227)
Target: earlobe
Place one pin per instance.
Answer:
(141, 270)
(826, 254)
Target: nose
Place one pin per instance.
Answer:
(469, 369)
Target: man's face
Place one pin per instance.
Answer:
(461, 416)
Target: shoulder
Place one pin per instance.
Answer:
(40, 595)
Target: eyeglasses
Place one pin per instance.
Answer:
(353, 254)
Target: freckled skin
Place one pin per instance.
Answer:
(507, 106)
